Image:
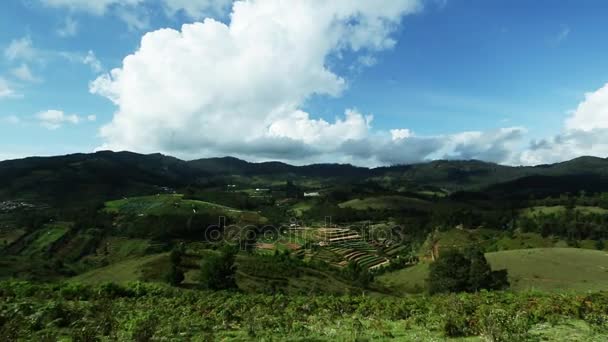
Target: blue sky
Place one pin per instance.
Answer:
(480, 79)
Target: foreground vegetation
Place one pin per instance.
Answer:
(144, 311)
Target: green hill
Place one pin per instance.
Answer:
(546, 269)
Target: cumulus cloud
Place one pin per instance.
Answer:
(585, 133)
(592, 112)
(398, 134)
(54, 119)
(494, 145)
(405, 147)
(240, 86)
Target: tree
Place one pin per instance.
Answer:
(455, 272)
(217, 271)
(175, 276)
(450, 273)
(600, 245)
(480, 273)
(359, 275)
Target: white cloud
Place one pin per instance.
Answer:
(585, 133)
(5, 89)
(24, 73)
(398, 134)
(20, 49)
(404, 147)
(69, 28)
(592, 112)
(213, 88)
(298, 126)
(499, 145)
(91, 60)
(53, 119)
(92, 118)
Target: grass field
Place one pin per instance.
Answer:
(161, 204)
(9, 236)
(547, 269)
(383, 202)
(134, 269)
(554, 269)
(176, 205)
(407, 280)
(560, 208)
(45, 238)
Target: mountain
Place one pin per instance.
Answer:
(91, 177)
(78, 178)
(235, 166)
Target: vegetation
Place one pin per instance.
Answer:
(456, 272)
(120, 246)
(140, 311)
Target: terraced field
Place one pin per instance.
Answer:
(360, 252)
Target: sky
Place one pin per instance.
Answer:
(371, 83)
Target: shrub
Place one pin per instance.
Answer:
(217, 271)
(496, 324)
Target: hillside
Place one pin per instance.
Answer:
(106, 175)
(545, 269)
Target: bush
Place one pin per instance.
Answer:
(218, 271)
(496, 324)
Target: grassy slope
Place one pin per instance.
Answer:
(560, 208)
(382, 202)
(548, 269)
(553, 269)
(122, 272)
(45, 238)
(175, 205)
